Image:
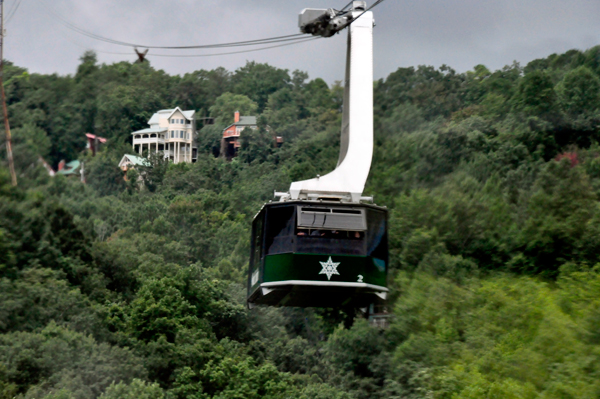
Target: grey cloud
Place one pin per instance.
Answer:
(459, 33)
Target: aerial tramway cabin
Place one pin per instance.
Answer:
(310, 253)
(324, 244)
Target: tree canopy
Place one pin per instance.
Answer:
(136, 289)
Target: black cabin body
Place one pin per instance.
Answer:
(318, 254)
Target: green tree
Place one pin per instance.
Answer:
(535, 95)
(226, 104)
(154, 171)
(559, 210)
(103, 173)
(579, 92)
(137, 389)
(259, 81)
(256, 145)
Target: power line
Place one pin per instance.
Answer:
(10, 9)
(13, 11)
(9, 153)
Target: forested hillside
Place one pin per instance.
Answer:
(116, 290)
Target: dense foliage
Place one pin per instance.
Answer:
(121, 289)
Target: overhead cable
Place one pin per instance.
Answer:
(13, 10)
(346, 6)
(233, 52)
(92, 35)
(298, 41)
(368, 9)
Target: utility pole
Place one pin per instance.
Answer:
(9, 154)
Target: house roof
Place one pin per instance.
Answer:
(70, 168)
(155, 118)
(244, 121)
(186, 114)
(91, 136)
(151, 130)
(133, 159)
(46, 166)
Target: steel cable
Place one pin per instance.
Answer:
(92, 35)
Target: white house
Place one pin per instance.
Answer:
(171, 132)
(131, 161)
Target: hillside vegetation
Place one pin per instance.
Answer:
(112, 290)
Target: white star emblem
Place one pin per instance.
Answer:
(329, 268)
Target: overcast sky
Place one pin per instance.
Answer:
(459, 33)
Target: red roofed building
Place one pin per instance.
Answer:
(94, 142)
(231, 143)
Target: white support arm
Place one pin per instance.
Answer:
(348, 179)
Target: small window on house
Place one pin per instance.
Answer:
(181, 134)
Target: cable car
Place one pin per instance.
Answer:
(314, 253)
(323, 244)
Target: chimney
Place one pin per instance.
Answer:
(61, 165)
(236, 116)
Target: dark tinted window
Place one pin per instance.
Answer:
(280, 227)
(331, 218)
(329, 245)
(377, 245)
(257, 238)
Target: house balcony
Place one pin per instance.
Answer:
(149, 140)
(231, 134)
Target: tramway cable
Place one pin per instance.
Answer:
(256, 42)
(233, 52)
(368, 9)
(304, 39)
(288, 39)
